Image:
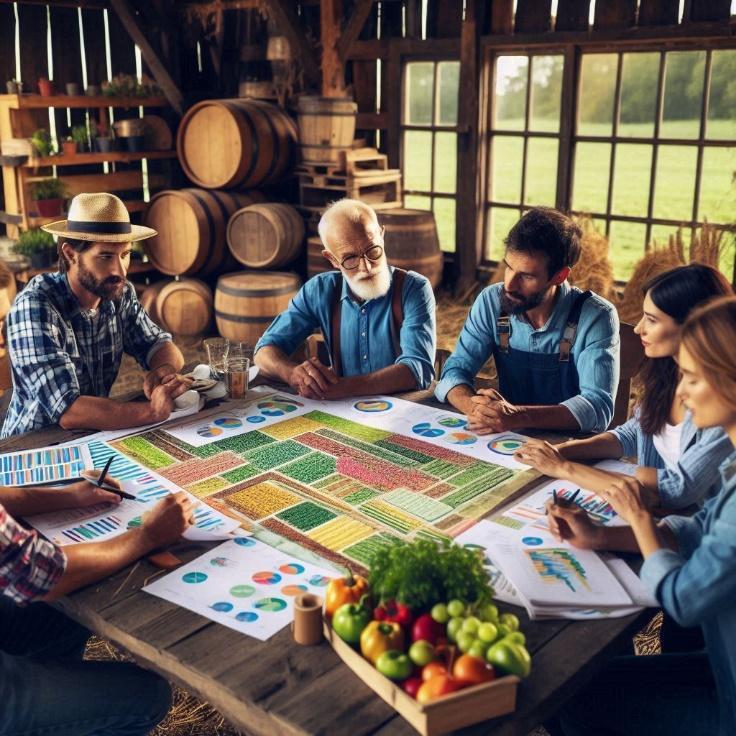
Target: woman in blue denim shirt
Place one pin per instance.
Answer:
(689, 563)
(678, 462)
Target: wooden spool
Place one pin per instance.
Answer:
(247, 302)
(411, 242)
(181, 307)
(236, 143)
(326, 127)
(191, 225)
(265, 235)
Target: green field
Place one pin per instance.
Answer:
(673, 192)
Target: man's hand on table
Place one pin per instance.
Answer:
(164, 374)
(86, 493)
(312, 379)
(490, 412)
(162, 399)
(168, 519)
(544, 457)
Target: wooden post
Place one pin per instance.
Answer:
(468, 253)
(288, 23)
(360, 14)
(333, 69)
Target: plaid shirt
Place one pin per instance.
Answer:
(29, 565)
(60, 352)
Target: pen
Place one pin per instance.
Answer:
(574, 496)
(554, 496)
(101, 479)
(119, 492)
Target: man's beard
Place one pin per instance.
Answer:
(109, 288)
(372, 288)
(512, 303)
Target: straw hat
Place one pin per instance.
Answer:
(100, 217)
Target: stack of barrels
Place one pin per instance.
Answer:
(228, 149)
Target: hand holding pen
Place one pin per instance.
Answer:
(102, 481)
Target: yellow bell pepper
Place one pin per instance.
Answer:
(380, 636)
(344, 590)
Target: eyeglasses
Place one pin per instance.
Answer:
(373, 254)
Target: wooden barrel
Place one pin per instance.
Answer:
(265, 235)
(181, 307)
(247, 302)
(411, 242)
(316, 262)
(191, 225)
(236, 143)
(326, 127)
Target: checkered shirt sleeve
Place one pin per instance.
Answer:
(29, 565)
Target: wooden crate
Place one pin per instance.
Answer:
(453, 711)
(380, 192)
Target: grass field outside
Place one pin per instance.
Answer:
(673, 191)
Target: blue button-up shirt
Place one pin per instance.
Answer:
(60, 352)
(595, 351)
(366, 342)
(697, 584)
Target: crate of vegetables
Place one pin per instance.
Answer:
(424, 634)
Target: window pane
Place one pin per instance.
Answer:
(500, 221)
(626, 247)
(546, 91)
(631, 174)
(675, 183)
(717, 195)
(597, 91)
(507, 156)
(418, 93)
(445, 162)
(415, 202)
(444, 214)
(449, 77)
(722, 102)
(417, 159)
(638, 94)
(510, 96)
(683, 94)
(662, 233)
(590, 185)
(541, 171)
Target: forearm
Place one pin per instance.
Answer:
(167, 355)
(599, 447)
(29, 501)
(651, 536)
(93, 412)
(274, 363)
(461, 397)
(389, 380)
(586, 476)
(546, 417)
(89, 562)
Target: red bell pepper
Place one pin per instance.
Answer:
(393, 612)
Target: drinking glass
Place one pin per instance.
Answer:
(217, 351)
(237, 365)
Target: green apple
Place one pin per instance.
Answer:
(478, 649)
(465, 641)
(471, 625)
(488, 612)
(440, 613)
(510, 620)
(394, 664)
(421, 652)
(517, 637)
(453, 627)
(456, 608)
(488, 632)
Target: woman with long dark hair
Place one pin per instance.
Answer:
(678, 463)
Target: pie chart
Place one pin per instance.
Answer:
(270, 605)
(242, 591)
(373, 405)
(425, 429)
(505, 445)
(246, 617)
(255, 419)
(245, 542)
(228, 422)
(275, 408)
(452, 421)
(266, 578)
(222, 607)
(293, 589)
(319, 581)
(461, 438)
(209, 431)
(293, 568)
(194, 577)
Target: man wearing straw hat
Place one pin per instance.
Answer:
(67, 331)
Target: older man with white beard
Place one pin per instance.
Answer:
(378, 321)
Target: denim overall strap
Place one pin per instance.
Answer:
(538, 378)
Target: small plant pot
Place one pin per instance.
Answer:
(45, 87)
(93, 90)
(13, 87)
(73, 89)
(69, 148)
(135, 143)
(49, 207)
(103, 144)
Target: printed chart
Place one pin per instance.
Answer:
(243, 584)
(46, 465)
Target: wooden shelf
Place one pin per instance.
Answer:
(37, 101)
(97, 158)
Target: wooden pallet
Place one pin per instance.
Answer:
(363, 162)
(338, 179)
(379, 192)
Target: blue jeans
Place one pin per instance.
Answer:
(655, 695)
(46, 687)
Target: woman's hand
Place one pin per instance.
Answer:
(572, 524)
(629, 499)
(544, 457)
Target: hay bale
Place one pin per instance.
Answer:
(594, 270)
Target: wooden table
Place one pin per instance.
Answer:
(279, 687)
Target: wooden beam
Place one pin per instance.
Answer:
(533, 16)
(572, 15)
(349, 36)
(658, 12)
(502, 16)
(615, 14)
(160, 73)
(333, 68)
(288, 23)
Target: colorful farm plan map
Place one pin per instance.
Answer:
(340, 478)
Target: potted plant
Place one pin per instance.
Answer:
(41, 143)
(69, 146)
(49, 196)
(93, 90)
(73, 89)
(14, 86)
(37, 245)
(45, 87)
(100, 137)
(80, 137)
